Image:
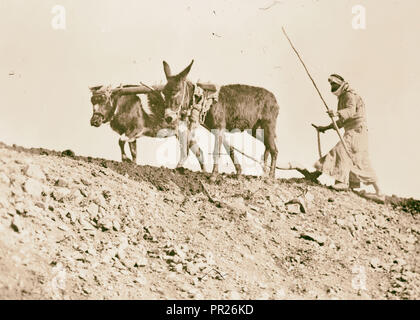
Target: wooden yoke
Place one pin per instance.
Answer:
(136, 89)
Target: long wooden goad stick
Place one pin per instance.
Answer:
(320, 95)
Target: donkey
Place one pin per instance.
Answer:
(128, 116)
(238, 107)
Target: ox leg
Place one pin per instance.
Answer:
(234, 159)
(133, 150)
(266, 167)
(216, 152)
(124, 157)
(270, 144)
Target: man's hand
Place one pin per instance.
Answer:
(332, 113)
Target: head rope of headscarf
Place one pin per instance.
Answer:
(344, 86)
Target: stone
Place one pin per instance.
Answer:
(375, 263)
(20, 208)
(68, 153)
(312, 236)
(91, 251)
(309, 197)
(359, 221)
(140, 261)
(264, 296)
(195, 294)
(116, 225)
(233, 295)
(85, 225)
(255, 208)
(93, 210)
(63, 227)
(280, 294)
(122, 255)
(400, 261)
(131, 212)
(140, 279)
(262, 285)
(34, 171)
(40, 205)
(100, 201)
(76, 196)
(106, 224)
(62, 183)
(4, 179)
(301, 202)
(33, 188)
(17, 224)
(332, 246)
(106, 194)
(60, 193)
(72, 216)
(85, 182)
(192, 268)
(341, 222)
(293, 208)
(179, 267)
(4, 203)
(180, 252)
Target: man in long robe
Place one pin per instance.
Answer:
(348, 171)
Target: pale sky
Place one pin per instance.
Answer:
(46, 102)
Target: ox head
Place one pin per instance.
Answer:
(175, 92)
(103, 108)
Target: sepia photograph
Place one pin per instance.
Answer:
(224, 150)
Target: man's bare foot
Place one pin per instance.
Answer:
(378, 198)
(340, 186)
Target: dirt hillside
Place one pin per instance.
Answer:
(82, 228)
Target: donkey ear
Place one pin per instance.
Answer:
(183, 74)
(167, 69)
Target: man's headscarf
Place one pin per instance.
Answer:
(335, 78)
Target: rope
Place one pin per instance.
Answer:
(290, 166)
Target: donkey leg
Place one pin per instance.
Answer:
(266, 154)
(133, 150)
(197, 152)
(232, 155)
(183, 136)
(270, 144)
(216, 152)
(124, 157)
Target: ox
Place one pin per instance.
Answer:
(238, 107)
(127, 115)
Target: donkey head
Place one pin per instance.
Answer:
(175, 92)
(103, 108)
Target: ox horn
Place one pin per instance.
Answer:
(96, 88)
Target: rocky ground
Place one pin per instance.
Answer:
(82, 228)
